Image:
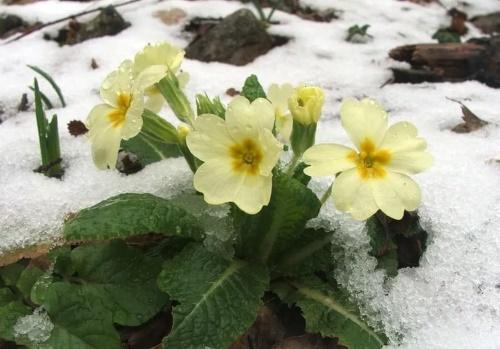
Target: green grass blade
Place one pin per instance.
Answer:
(41, 122)
(51, 82)
(45, 99)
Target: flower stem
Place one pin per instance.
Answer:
(292, 164)
(326, 195)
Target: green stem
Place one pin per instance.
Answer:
(326, 195)
(293, 164)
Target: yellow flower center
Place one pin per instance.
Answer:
(246, 157)
(370, 161)
(117, 115)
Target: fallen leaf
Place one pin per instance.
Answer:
(232, 92)
(77, 128)
(471, 121)
(170, 17)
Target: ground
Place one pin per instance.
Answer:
(450, 301)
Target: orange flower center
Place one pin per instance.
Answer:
(246, 157)
(370, 161)
(117, 115)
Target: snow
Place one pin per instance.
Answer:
(37, 327)
(450, 301)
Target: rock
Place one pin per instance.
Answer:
(9, 24)
(489, 23)
(477, 59)
(107, 22)
(238, 39)
(294, 7)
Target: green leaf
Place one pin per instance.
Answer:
(127, 215)
(9, 314)
(218, 299)
(278, 227)
(80, 320)
(123, 278)
(298, 174)
(445, 36)
(382, 247)
(6, 296)
(10, 274)
(328, 311)
(252, 89)
(50, 81)
(27, 279)
(177, 100)
(205, 105)
(156, 141)
(45, 99)
(312, 253)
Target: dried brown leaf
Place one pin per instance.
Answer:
(77, 128)
(170, 17)
(471, 121)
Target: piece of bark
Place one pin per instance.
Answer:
(489, 23)
(477, 59)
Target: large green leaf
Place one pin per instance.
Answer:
(127, 215)
(9, 314)
(328, 311)
(27, 279)
(218, 299)
(124, 278)
(156, 141)
(278, 227)
(80, 319)
(252, 89)
(312, 253)
(382, 247)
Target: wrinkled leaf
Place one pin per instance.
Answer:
(123, 278)
(253, 89)
(130, 214)
(218, 299)
(278, 227)
(328, 311)
(80, 320)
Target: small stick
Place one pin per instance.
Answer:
(83, 13)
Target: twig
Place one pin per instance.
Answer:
(83, 13)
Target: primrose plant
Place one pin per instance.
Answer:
(134, 256)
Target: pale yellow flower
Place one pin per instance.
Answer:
(119, 117)
(278, 95)
(374, 175)
(152, 64)
(306, 104)
(239, 154)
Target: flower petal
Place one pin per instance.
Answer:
(396, 193)
(220, 184)
(119, 81)
(271, 149)
(98, 119)
(133, 119)
(354, 195)
(160, 54)
(150, 76)
(244, 119)
(210, 138)
(402, 136)
(327, 159)
(410, 162)
(154, 101)
(363, 119)
(278, 95)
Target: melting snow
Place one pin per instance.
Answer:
(451, 301)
